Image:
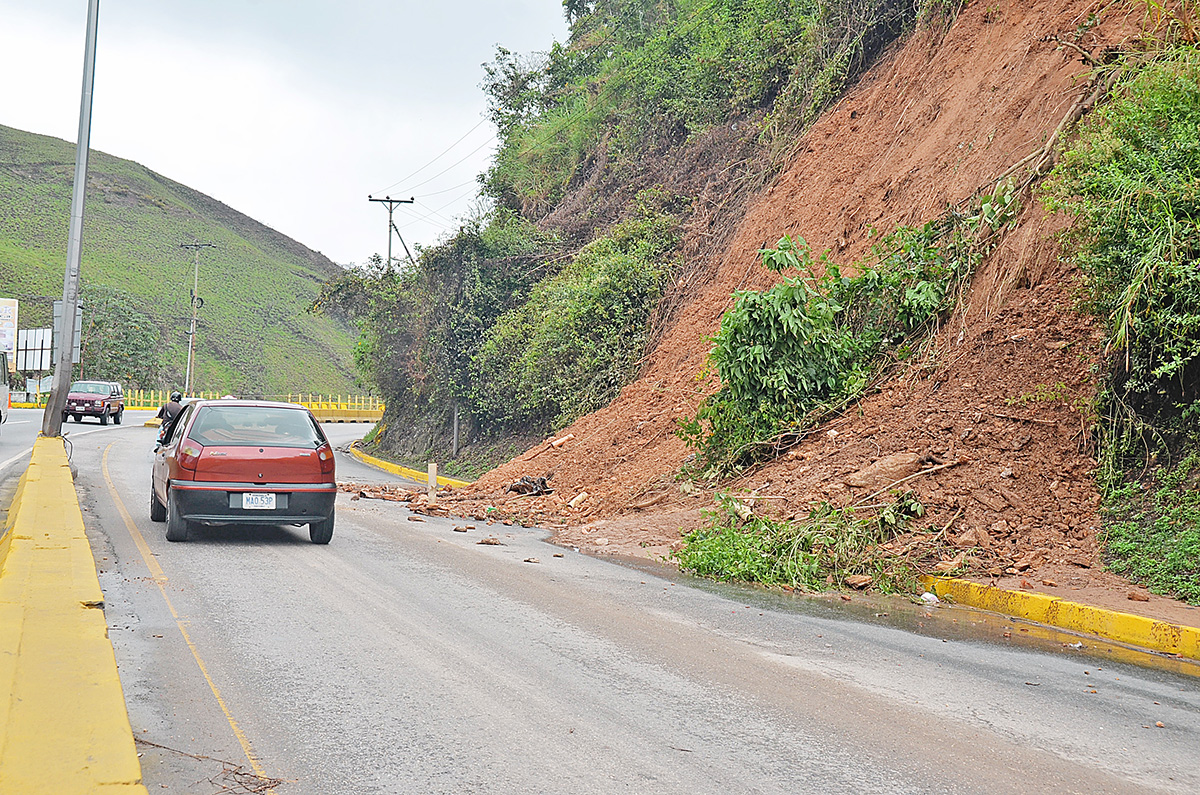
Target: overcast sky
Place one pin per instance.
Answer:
(290, 111)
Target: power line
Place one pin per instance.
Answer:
(439, 157)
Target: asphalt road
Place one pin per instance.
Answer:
(405, 657)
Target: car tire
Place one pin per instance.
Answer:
(158, 511)
(117, 416)
(177, 526)
(321, 532)
(104, 418)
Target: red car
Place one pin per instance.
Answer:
(102, 399)
(243, 462)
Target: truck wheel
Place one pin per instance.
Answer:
(117, 416)
(104, 418)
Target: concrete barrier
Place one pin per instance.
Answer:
(63, 723)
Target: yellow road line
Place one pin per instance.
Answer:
(160, 579)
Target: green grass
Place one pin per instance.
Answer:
(255, 333)
(1153, 537)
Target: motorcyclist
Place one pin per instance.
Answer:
(170, 410)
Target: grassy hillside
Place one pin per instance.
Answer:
(255, 334)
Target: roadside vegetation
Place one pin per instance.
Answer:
(136, 282)
(1130, 179)
(541, 307)
(793, 356)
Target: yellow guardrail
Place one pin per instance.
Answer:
(64, 727)
(326, 408)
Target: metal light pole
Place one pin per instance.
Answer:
(60, 386)
(197, 302)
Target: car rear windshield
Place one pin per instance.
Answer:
(92, 388)
(261, 426)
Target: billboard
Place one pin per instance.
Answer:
(8, 330)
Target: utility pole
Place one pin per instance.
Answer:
(61, 385)
(197, 302)
(391, 205)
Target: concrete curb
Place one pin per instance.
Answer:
(396, 469)
(63, 722)
(1148, 633)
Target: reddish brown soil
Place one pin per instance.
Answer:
(1000, 390)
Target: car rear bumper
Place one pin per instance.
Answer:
(221, 502)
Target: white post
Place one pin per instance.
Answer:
(432, 487)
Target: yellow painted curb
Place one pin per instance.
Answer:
(64, 727)
(396, 469)
(1159, 636)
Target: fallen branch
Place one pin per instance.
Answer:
(655, 500)
(910, 477)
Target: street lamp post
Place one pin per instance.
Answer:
(61, 385)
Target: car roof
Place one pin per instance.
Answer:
(245, 402)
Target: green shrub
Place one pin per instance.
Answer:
(1130, 179)
(820, 551)
(571, 347)
(788, 354)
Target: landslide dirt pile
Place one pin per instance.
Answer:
(1003, 396)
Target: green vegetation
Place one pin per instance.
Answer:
(257, 284)
(1154, 538)
(640, 78)
(570, 348)
(789, 356)
(1130, 178)
(821, 551)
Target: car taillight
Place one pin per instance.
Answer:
(325, 454)
(189, 453)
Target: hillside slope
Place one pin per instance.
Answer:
(999, 398)
(256, 284)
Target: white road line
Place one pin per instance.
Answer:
(29, 450)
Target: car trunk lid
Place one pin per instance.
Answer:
(243, 464)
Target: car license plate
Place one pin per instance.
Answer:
(256, 501)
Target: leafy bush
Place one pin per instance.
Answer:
(571, 347)
(820, 551)
(1131, 181)
(789, 353)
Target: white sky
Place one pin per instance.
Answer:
(290, 111)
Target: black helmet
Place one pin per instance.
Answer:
(176, 396)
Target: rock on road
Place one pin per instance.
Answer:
(407, 657)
